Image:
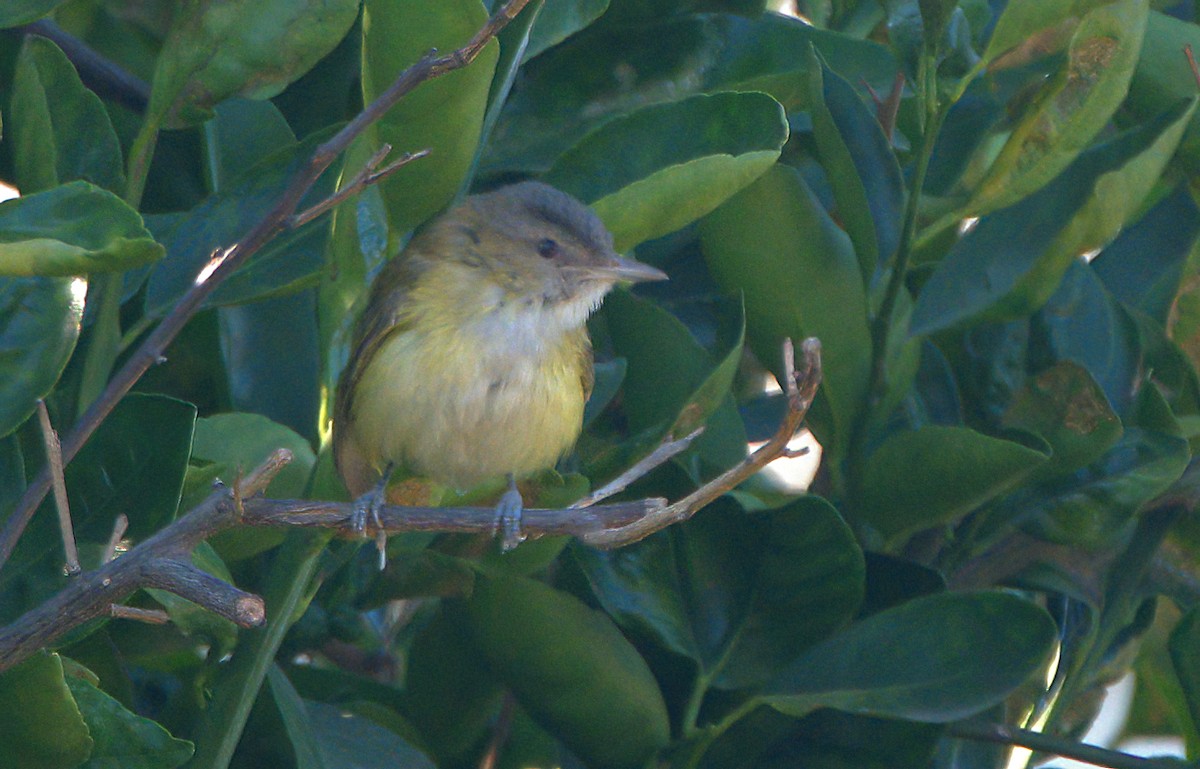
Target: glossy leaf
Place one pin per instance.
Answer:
(1163, 77)
(1010, 263)
(934, 475)
(1144, 265)
(962, 653)
(33, 697)
(672, 383)
(1082, 323)
(290, 261)
(240, 47)
(559, 20)
(1066, 408)
(799, 276)
(1022, 19)
(72, 229)
(346, 738)
(51, 110)
(862, 170)
(1094, 507)
(610, 70)
(1184, 646)
(18, 12)
(571, 668)
(444, 115)
(122, 737)
(39, 325)
(740, 594)
(295, 720)
(679, 162)
(1073, 107)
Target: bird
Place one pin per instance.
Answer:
(471, 360)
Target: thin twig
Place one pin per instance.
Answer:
(665, 450)
(114, 539)
(101, 75)
(155, 344)
(801, 387)
(149, 616)
(55, 462)
(363, 179)
(1003, 734)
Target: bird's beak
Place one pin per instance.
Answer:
(621, 269)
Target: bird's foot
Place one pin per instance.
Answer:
(508, 517)
(369, 505)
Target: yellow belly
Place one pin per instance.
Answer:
(435, 408)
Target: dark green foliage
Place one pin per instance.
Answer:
(1006, 427)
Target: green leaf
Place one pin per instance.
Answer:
(1071, 109)
(40, 722)
(346, 738)
(238, 442)
(679, 161)
(292, 260)
(1081, 322)
(249, 48)
(1143, 267)
(18, 12)
(444, 115)
(1184, 646)
(451, 696)
(295, 720)
(1094, 507)
(1164, 76)
(72, 229)
(123, 738)
(609, 70)
(798, 273)
(740, 594)
(559, 20)
(958, 654)
(39, 325)
(860, 166)
(1011, 262)
(571, 668)
(922, 478)
(673, 384)
(1065, 407)
(51, 110)
(1022, 19)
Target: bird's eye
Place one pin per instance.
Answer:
(547, 248)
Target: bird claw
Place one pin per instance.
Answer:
(369, 505)
(508, 518)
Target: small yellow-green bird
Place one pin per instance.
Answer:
(472, 360)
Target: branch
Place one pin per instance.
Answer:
(101, 75)
(801, 387)
(153, 347)
(1003, 734)
(160, 561)
(163, 560)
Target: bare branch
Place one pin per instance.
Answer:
(55, 462)
(363, 179)
(149, 616)
(154, 345)
(665, 451)
(800, 386)
(114, 540)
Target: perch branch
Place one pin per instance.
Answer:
(801, 387)
(152, 348)
(665, 450)
(162, 561)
